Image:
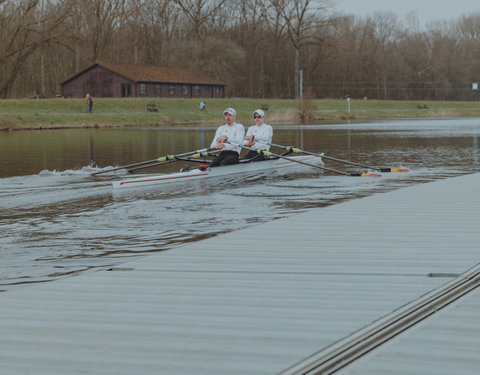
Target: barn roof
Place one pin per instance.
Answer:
(152, 73)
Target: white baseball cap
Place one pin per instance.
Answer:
(258, 112)
(231, 111)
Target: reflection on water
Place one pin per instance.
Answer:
(475, 151)
(57, 220)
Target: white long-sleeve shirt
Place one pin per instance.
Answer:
(263, 133)
(234, 133)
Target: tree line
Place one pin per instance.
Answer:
(258, 48)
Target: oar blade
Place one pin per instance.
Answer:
(387, 170)
(365, 174)
(370, 174)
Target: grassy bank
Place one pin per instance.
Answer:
(64, 113)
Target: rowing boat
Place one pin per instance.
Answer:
(277, 165)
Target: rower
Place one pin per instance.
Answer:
(259, 137)
(234, 133)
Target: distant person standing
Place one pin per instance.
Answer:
(259, 136)
(88, 103)
(232, 132)
(90, 107)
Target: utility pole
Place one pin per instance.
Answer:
(300, 94)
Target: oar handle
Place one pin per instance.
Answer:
(197, 154)
(201, 153)
(288, 148)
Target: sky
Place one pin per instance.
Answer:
(425, 10)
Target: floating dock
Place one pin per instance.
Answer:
(386, 284)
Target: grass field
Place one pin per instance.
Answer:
(65, 113)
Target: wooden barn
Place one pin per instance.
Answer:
(121, 80)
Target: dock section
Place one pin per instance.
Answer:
(265, 300)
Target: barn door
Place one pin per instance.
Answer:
(126, 90)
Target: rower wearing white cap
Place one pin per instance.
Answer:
(259, 136)
(233, 132)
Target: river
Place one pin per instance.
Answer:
(56, 220)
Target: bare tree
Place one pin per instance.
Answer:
(159, 29)
(249, 31)
(256, 47)
(301, 18)
(25, 27)
(101, 22)
(199, 11)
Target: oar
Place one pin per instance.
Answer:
(297, 150)
(150, 165)
(161, 160)
(177, 157)
(268, 153)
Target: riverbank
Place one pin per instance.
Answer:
(28, 114)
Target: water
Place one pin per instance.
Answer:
(56, 220)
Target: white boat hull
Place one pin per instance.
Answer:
(278, 165)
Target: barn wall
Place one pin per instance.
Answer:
(176, 90)
(98, 82)
(102, 83)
